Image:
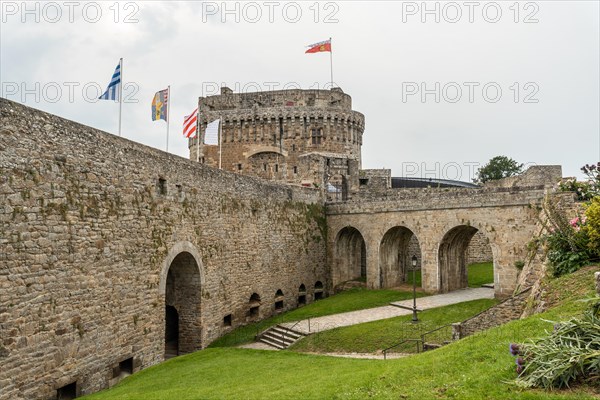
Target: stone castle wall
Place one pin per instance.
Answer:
(502, 313)
(90, 225)
(479, 249)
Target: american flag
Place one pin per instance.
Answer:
(189, 124)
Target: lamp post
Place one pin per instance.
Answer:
(414, 309)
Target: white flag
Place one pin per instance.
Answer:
(211, 135)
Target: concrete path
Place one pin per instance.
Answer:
(320, 324)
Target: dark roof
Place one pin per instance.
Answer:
(406, 182)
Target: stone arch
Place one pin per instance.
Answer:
(179, 247)
(452, 258)
(265, 149)
(350, 256)
(395, 256)
(182, 285)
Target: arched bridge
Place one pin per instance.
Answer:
(370, 234)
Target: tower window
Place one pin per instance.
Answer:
(239, 167)
(276, 167)
(317, 135)
(295, 169)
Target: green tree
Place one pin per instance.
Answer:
(497, 168)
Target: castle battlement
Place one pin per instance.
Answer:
(270, 134)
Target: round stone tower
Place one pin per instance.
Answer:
(308, 137)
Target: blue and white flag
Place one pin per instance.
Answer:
(112, 92)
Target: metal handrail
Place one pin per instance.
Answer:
(287, 330)
(417, 341)
(433, 330)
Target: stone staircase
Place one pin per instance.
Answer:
(280, 337)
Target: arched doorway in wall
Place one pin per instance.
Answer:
(397, 247)
(171, 332)
(457, 249)
(182, 306)
(350, 256)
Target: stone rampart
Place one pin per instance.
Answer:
(99, 236)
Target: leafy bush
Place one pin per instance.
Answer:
(570, 354)
(584, 190)
(567, 241)
(592, 225)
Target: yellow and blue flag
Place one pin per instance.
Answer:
(160, 105)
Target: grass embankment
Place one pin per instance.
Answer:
(478, 367)
(378, 335)
(351, 300)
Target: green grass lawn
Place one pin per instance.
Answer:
(409, 278)
(477, 367)
(477, 274)
(480, 273)
(377, 335)
(350, 300)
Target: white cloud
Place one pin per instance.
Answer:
(375, 53)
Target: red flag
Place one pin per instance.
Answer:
(189, 124)
(319, 47)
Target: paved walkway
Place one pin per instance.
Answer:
(320, 324)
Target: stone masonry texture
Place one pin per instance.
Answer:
(112, 253)
(95, 228)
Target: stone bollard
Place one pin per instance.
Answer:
(597, 276)
(456, 331)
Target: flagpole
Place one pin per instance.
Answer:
(168, 113)
(331, 61)
(198, 136)
(220, 138)
(120, 93)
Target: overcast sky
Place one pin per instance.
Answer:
(444, 86)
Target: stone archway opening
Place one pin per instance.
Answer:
(398, 246)
(461, 246)
(171, 332)
(350, 256)
(301, 295)
(182, 306)
(254, 307)
(318, 290)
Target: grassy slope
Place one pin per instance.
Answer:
(477, 367)
(355, 299)
(377, 335)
